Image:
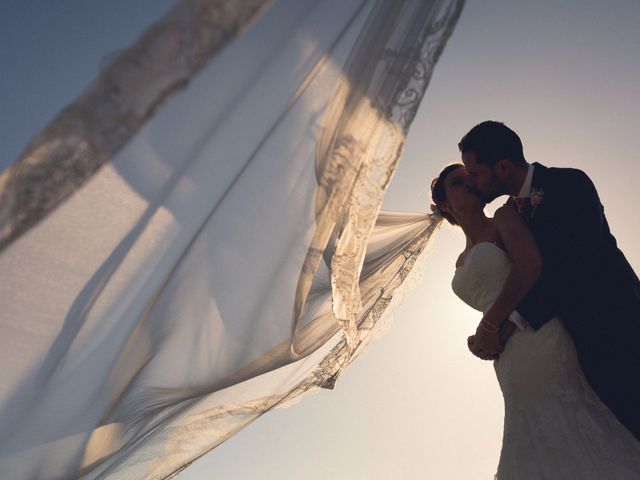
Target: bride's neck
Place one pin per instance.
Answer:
(475, 226)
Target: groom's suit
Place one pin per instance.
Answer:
(588, 283)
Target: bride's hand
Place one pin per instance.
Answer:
(484, 344)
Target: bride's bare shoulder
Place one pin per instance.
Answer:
(506, 214)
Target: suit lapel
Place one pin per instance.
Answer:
(538, 184)
(539, 176)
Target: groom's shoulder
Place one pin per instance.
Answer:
(566, 174)
(568, 180)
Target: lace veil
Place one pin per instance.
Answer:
(197, 238)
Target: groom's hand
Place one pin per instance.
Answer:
(484, 344)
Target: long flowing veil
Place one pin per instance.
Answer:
(197, 238)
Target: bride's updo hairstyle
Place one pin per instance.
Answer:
(438, 193)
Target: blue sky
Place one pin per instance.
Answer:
(50, 51)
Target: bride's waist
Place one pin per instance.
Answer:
(514, 318)
(554, 327)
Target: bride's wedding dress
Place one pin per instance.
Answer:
(555, 427)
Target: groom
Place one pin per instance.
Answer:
(586, 280)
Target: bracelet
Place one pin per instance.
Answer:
(489, 327)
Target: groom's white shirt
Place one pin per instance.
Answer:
(525, 192)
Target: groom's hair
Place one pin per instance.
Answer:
(493, 141)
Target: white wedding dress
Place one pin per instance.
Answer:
(555, 427)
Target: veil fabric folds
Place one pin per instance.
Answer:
(179, 259)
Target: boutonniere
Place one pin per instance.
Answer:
(537, 195)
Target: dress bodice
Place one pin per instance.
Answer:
(479, 279)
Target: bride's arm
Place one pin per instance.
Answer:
(527, 264)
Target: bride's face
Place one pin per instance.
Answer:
(461, 197)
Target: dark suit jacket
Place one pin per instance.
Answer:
(589, 284)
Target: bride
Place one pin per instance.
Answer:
(555, 426)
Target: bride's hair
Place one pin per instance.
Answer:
(438, 194)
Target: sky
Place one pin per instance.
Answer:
(418, 404)
(50, 51)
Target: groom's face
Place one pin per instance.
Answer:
(482, 178)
